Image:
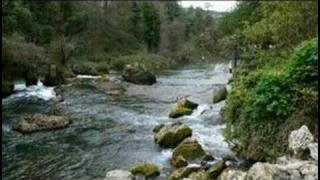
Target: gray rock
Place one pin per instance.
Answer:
(300, 139)
(313, 148)
(232, 174)
(39, 122)
(138, 75)
(220, 94)
(118, 175)
(284, 169)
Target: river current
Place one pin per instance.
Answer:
(109, 132)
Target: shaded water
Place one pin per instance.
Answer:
(109, 132)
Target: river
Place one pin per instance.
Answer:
(109, 132)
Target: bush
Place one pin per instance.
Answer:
(270, 98)
(266, 104)
(147, 61)
(304, 66)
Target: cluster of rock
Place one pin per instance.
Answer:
(186, 150)
(301, 142)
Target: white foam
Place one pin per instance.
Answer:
(6, 128)
(39, 91)
(88, 77)
(200, 110)
(18, 86)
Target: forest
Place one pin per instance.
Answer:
(124, 90)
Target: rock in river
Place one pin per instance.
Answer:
(148, 170)
(138, 75)
(183, 172)
(119, 175)
(220, 94)
(171, 135)
(189, 149)
(182, 107)
(39, 122)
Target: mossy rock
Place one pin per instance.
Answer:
(7, 88)
(182, 107)
(138, 75)
(180, 111)
(189, 148)
(220, 94)
(199, 175)
(207, 157)
(146, 169)
(172, 134)
(180, 161)
(183, 172)
(215, 170)
(157, 128)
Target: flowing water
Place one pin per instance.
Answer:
(109, 132)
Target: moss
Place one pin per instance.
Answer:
(157, 128)
(171, 135)
(146, 169)
(189, 149)
(180, 111)
(215, 170)
(182, 172)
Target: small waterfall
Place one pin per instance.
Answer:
(38, 91)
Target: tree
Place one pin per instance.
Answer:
(151, 21)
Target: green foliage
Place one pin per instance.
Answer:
(145, 60)
(266, 104)
(270, 98)
(303, 68)
(151, 28)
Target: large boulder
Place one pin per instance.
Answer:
(39, 122)
(119, 174)
(183, 172)
(7, 88)
(138, 75)
(189, 148)
(299, 141)
(147, 170)
(182, 107)
(220, 94)
(171, 135)
(229, 174)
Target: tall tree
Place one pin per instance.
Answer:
(151, 21)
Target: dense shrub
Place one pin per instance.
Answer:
(266, 104)
(304, 66)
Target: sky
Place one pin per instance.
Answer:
(221, 6)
